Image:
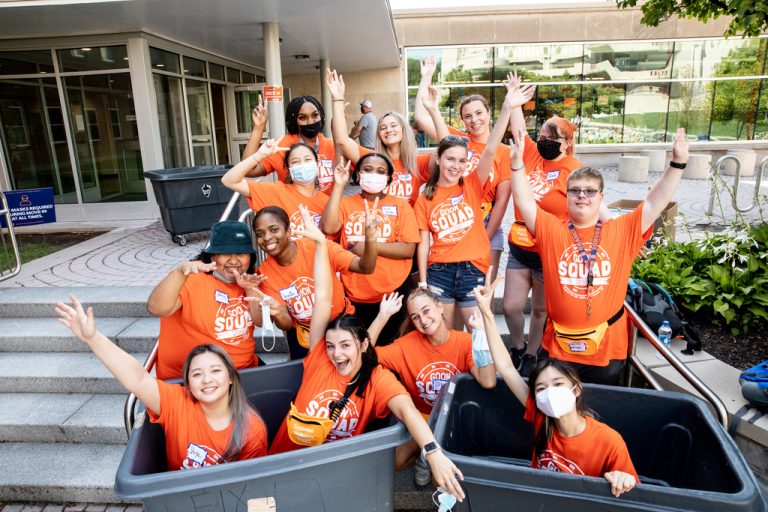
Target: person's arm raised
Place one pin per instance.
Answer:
(431, 102)
(330, 223)
(422, 257)
(164, 299)
(366, 263)
(321, 312)
(389, 306)
(521, 191)
(127, 370)
(662, 192)
(259, 118)
(234, 178)
(344, 142)
(499, 353)
(517, 117)
(420, 115)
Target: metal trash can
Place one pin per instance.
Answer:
(685, 460)
(190, 198)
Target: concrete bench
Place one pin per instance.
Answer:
(698, 166)
(747, 159)
(633, 169)
(657, 159)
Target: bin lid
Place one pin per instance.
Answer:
(185, 173)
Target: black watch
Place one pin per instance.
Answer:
(429, 448)
(678, 165)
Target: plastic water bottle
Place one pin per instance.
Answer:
(665, 335)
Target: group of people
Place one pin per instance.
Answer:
(374, 340)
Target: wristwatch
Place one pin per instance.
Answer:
(429, 448)
(678, 165)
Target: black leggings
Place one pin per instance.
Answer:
(609, 375)
(367, 311)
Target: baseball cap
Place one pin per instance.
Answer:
(367, 103)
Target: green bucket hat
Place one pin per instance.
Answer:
(229, 237)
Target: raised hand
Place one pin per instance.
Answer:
(77, 320)
(390, 304)
(341, 174)
(484, 294)
(428, 66)
(517, 149)
(372, 220)
(311, 231)
(335, 84)
(195, 267)
(267, 149)
(517, 94)
(680, 147)
(431, 100)
(259, 116)
(249, 281)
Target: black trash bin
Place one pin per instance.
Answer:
(190, 198)
(685, 460)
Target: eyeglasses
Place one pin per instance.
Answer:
(588, 192)
(456, 138)
(546, 137)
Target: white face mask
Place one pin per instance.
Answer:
(556, 401)
(267, 328)
(373, 183)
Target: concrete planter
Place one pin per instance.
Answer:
(698, 166)
(633, 169)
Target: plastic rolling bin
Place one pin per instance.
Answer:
(319, 478)
(190, 198)
(684, 458)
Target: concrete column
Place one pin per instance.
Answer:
(747, 159)
(657, 159)
(271, 30)
(699, 165)
(326, 100)
(633, 169)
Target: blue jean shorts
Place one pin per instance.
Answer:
(497, 240)
(520, 259)
(454, 282)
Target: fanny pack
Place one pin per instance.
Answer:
(584, 342)
(302, 334)
(521, 235)
(307, 430)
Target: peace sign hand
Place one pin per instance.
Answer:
(259, 116)
(341, 173)
(372, 220)
(517, 149)
(311, 231)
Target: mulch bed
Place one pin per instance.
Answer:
(741, 351)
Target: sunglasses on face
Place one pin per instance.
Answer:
(588, 192)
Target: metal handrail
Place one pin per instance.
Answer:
(737, 179)
(666, 352)
(6, 213)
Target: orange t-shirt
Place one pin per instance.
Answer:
(190, 442)
(405, 182)
(594, 452)
(294, 286)
(565, 281)
(212, 311)
(288, 198)
(425, 368)
(398, 224)
(454, 218)
(326, 154)
(322, 384)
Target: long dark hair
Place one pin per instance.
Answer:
(450, 141)
(288, 179)
(292, 112)
(543, 435)
(238, 403)
(359, 332)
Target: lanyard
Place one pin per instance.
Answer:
(317, 143)
(589, 261)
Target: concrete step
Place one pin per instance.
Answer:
(62, 418)
(59, 473)
(107, 301)
(30, 372)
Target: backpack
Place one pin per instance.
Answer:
(654, 305)
(754, 385)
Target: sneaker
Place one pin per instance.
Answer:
(517, 355)
(421, 473)
(527, 364)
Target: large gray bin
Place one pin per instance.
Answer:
(352, 474)
(190, 198)
(684, 458)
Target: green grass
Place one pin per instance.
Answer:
(34, 246)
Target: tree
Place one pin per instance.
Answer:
(750, 17)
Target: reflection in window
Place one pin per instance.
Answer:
(540, 63)
(93, 58)
(194, 67)
(627, 61)
(162, 60)
(22, 63)
(761, 115)
(719, 57)
(557, 100)
(170, 112)
(216, 70)
(645, 112)
(734, 109)
(466, 65)
(233, 76)
(689, 107)
(602, 113)
(413, 63)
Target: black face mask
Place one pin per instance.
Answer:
(548, 149)
(310, 131)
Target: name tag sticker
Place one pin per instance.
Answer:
(196, 453)
(221, 297)
(405, 177)
(553, 175)
(456, 200)
(389, 210)
(289, 293)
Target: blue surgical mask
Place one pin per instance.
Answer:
(305, 172)
(481, 354)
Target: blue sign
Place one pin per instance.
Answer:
(31, 206)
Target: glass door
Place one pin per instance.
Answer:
(219, 107)
(242, 99)
(201, 132)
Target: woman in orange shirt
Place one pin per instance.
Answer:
(288, 287)
(396, 239)
(300, 187)
(567, 438)
(208, 420)
(395, 139)
(341, 355)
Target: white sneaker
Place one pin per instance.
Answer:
(421, 472)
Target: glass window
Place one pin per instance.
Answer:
(465, 65)
(249, 78)
(34, 139)
(21, 63)
(413, 63)
(734, 109)
(761, 115)
(199, 106)
(560, 100)
(602, 113)
(540, 63)
(261, 79)
(718, 57)
(627, 61)
(170, 109)
(690, 106)
(93, 58)
(233, 76)
(194, 67)
(164, 61)
(216, 71)
(645, 112)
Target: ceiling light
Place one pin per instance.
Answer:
(85, 49)
(159, 65)
(301, 56)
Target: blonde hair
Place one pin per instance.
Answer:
(408, 146)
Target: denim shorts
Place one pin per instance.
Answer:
(521, 259)
(497, 240)
(454, 282)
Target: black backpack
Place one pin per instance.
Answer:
(654, 305)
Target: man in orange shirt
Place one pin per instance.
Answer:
(587, 261)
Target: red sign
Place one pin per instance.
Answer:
(273, 93)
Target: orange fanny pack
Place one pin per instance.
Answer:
(583, 342)
(520, 235)
(307, 430)
(302, 334)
